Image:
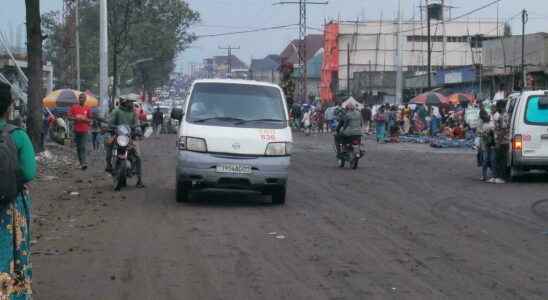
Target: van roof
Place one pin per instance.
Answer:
(535, 92)
(236, 81)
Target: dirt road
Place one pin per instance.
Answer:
(411, 223)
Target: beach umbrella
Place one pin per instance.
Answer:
(459, 98)
(67, 98)
(430, 98)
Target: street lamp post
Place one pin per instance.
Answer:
(103, 58)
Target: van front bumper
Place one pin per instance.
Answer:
(200, 169)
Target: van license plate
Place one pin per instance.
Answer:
(234, 169)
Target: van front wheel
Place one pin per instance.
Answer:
(182, 191)
(278, 196)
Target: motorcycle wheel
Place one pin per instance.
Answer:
(120, 175)
(341, 163)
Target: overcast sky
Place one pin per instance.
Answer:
(219, 16)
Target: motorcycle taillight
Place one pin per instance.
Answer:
(356, 142)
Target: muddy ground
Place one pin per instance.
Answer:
(410, 223)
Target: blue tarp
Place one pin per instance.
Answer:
(439, 141)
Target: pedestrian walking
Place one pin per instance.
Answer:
(307, 121)
(435, 122)
(81, 115)
(406, 114)
(17, 168)
(393, 125)
(366, 118)
(96, 135)
(158, 121)
(380, 125)
(502, 142)
(329, 116)
(487, 147)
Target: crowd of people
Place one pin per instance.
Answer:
(388, 121)
(482, 126)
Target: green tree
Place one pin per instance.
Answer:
(160, 36)
(138, 29)
(122, 16)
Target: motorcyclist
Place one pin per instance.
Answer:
(125, 115)
(349, 126)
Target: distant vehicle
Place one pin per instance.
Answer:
(235, 135)
(529, 132)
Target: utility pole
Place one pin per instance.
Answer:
(77, 14)
(348, 70)
(524, 19)
(103, 57)
(429, 50)
(229, 58)
(369, 79)
(399, 45)
(303, 93)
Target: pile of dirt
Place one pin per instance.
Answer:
(55, 161)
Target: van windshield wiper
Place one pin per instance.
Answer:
(262, 120)
(226, 119)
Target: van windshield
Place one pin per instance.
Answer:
(237, 105)
(536, 112)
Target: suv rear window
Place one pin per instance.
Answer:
(536, 113)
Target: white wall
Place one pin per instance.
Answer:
(363, 44)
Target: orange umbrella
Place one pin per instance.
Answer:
(67, 98)
(459, 98)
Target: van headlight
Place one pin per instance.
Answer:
(192, 144)
(278, 149)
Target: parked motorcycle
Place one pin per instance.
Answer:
(349, 150)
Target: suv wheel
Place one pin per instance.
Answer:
(182, 191)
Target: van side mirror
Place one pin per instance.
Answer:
(177, 114)
(543, 102)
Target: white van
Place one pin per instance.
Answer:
(234, 135)
(529, 132)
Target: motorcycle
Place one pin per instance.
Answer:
(124, 154)
(349, 150)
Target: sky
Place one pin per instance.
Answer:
(221, 16)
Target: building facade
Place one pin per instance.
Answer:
(372, 46)
(265, 69)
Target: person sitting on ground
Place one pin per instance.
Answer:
(458, 132)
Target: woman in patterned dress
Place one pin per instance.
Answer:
(15, 267)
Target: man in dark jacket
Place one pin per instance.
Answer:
(158, 121)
